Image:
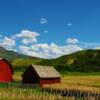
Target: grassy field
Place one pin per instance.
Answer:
(82, 83)
(76, 81)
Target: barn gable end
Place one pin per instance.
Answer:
(10, 66)
(6, 71)
(30, 76)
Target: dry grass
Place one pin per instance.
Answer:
(83, 83)
(28, 94)
(77, 82)
(92, 81)
(89, 83)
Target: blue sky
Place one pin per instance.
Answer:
(50, 27)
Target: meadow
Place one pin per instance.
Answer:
(82, 83)
(75, 81)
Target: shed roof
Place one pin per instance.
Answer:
(46, 71)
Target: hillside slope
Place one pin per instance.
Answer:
(18, 61)
(83, 61)
(11, 55)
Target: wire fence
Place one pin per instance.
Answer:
(33, 92)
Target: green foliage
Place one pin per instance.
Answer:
(19, 61)
(83, 61)
(21, 64)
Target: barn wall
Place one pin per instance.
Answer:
(49, 81)
(10, 66)
(30, 76)
(5, 72)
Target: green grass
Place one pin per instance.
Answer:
(66, 73)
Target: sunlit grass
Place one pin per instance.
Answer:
(80, 82)
(83, 83)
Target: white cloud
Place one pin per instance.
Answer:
(7, 43)
(72, 40)
(28, 37)
(29, 41)
(45, 31)
(55, 49)
(97, 48)
(43, 21)
(69, 24)
(49, 51)
(43, 50)
(27, 34)
(71, 48)
(26, 50)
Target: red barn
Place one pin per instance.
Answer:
(6, 71)
(41, 75)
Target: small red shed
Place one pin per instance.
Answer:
(6, 71)
(41, 75)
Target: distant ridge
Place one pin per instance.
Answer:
(18, 61)
(11, 55)
(82, 61)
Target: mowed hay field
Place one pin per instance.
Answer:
(80, 81)
(76, 82)
(90, 81)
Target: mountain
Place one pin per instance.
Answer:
(82, 61)
(18, 61)
(11, 55)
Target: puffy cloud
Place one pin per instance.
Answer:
(43, 50)
(8, 43)
(49, 51)
(70, 49)
(72, 40)
(27, 36)
(55, 49)
(26, 50)
(29, 41)
(43, 21)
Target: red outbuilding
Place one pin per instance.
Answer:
(41, 75)
(6, 71)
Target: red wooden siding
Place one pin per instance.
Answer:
(49, 81)
(5, 72)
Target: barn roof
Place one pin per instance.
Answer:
(46, 71)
